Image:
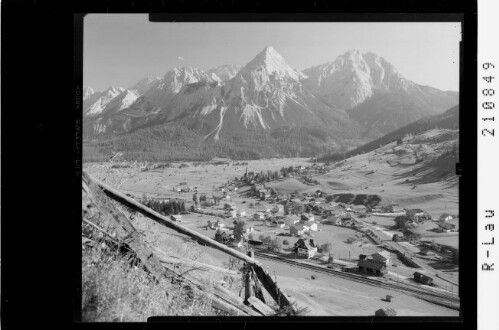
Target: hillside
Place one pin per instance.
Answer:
(447, 120)
(185, 140)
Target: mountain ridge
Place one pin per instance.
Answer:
(357, 96)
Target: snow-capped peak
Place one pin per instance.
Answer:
(105, 98)
(272, 62)
(114, 90)
(178, 77)
(87, 92)
(354, 77)
(225, 72)
(145, 84)
(127, 98)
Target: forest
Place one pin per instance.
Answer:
(180, 143)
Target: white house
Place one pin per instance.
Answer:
(445, 217)
(312, 225)
(241, 213)
(278, 209)
(297, 229)
(305, 248)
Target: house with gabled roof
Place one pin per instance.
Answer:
(445, 217)
(446, 226)
(176, 217)
(278, 209)
(307, 217)
(392, 208)
(278, 223)
(263, 194)
(383, 256)
(370, 266)
(311, 225)
(359, 208)
(291, 219)
(297, 229)
(411, 235)
(305, 248)
(422, 278)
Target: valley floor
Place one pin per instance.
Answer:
(326, 295)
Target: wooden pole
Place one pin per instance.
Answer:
(257, 287)
(248, 285)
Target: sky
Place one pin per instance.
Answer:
(121, 49)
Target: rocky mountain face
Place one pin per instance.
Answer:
(374, 93)
(95, 103)
(145, 85)
(137, 105)
(225, 72)
(264, 94)
(357, 97)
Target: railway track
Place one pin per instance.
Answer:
(442, 299)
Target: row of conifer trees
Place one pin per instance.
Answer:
(165, 207)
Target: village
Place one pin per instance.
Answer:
(247, 213)
(293, 226)
(300, 215)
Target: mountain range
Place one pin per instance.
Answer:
(357, 97)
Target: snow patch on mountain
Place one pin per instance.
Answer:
(268, 63)
(87, 92)
(100, 104)
(225, 72)
(127, 98)
(353, 78)
(142, 86)
(163, 91)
